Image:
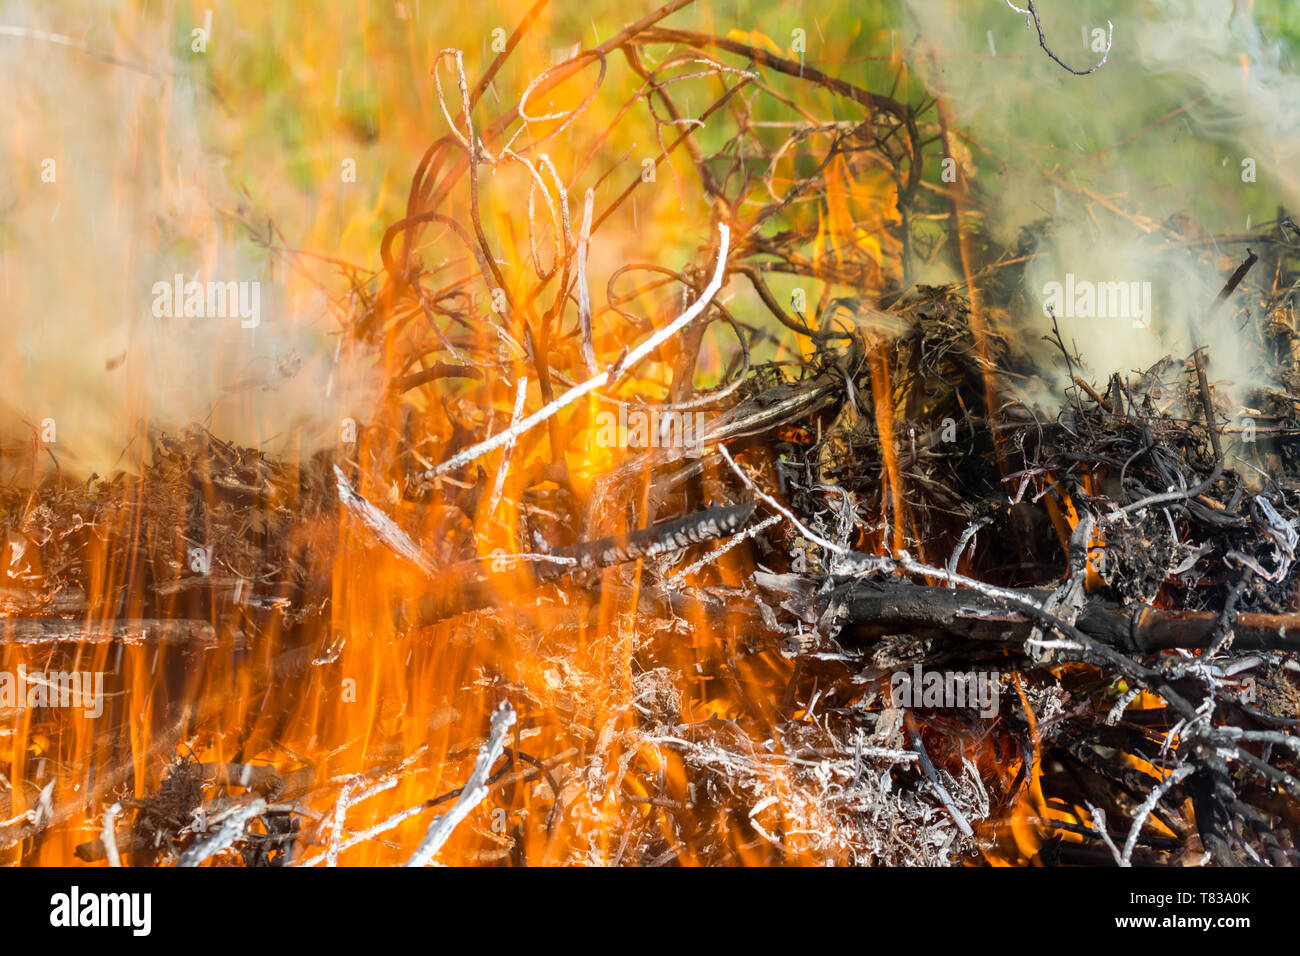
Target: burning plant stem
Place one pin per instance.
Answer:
(341, 806)
(476, 789)
(521, 392)
(584, 294)
(780, 508)
(933, 776)
(677, 580)
(1099, 827)
(1144, 811)
(711, 523)
(966, 537)
(382, 527)
(231, 830)
(110, 839)
(607, 377)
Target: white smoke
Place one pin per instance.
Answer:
(107, 191)
(1191, 96)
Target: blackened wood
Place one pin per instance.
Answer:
(708, 525)
(880, 607)
(1235, 280)
(468, 586)
(1207, 788)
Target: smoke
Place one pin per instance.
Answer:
(109, 192)
(1120, 175)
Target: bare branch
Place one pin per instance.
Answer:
(384, 528)
(1031, 14)
(231, 830)
(475, 790)
(606, 377)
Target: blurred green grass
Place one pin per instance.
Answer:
(300, 88)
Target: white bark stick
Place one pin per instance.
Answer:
(476, 790)
(464, 457)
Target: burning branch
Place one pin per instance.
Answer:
(476, 789)
(385, 530)
(607, 377)
(231, 829)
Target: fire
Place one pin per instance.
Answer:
(336, 576)
(345, 699)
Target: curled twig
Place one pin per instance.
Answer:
(1032, 18)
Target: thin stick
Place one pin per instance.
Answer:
(606, 377)
(521, 392)
(932, 775)
(715, 521)
(677, 580)
(474, 793)
(584, 294)
(110, 838)
(1234, 280)
(1144, 811)
(382, 527)
(58, 39)
(1098, 816)
(780, 508)
(404, 383)
(1032, 12)
(231, 830)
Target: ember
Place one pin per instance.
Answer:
(710, 478)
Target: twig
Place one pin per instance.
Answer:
(584, 293)
(382, 527)
(231, 830)
(606, 377)
(1098, 816)
(476, 789)
(498, 486)
(779, 508)
(404, 383)
(1207, 401)
(706, 525)
(1234, 280)
(933, 776)
(1032, 13)
(58, 39)
(678, 579)
(1145, 809)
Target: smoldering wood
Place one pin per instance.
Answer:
(882, 607)
(471, 586)
(715, 522)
